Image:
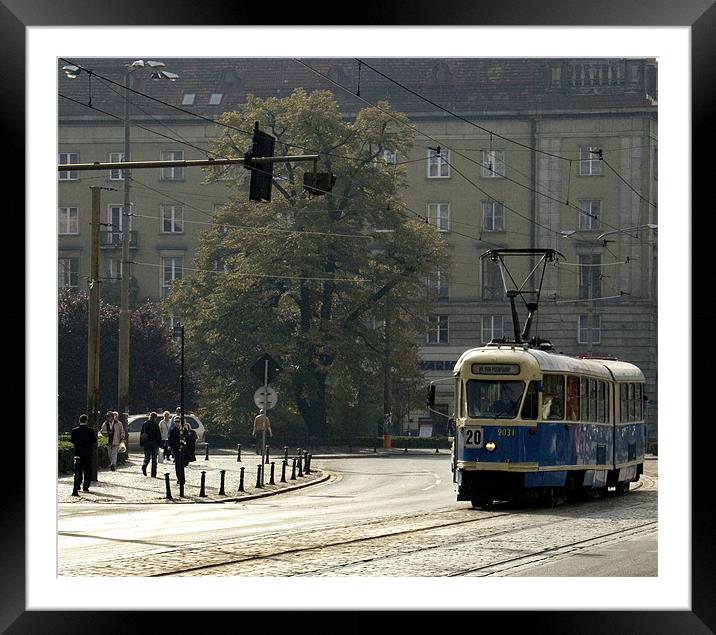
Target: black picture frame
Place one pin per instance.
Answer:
(16, 15)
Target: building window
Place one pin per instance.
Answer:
(493, 163)
(68, 273)
(492, 328)
(589, 162)
(115, 218)
(590, 214)
(583, 331)
(68, 220)
(438, 164)
(116, 175)
(493, 216)
(188, 99)
(439, 216)
(176, 173)
(172, 219)
(438, 329)
(115, 268)
(65, 158)
(438, 286)
(172, 267)
(390, 157)
(215, 99)
(492, 286)
(590, 276)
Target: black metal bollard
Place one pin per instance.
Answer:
(308, 464)
(238, 453)
(271, 481)
(293, 470)
(206, 456)
(406, 446)
(241, 479)
(300, 466)
(283, 471)
(437, 447)
(221, 487)
(76, 481)
(285, 453)
(169, 489)
(268, 447)
(202, 490)
(259, 467)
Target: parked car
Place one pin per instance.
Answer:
(137, 421)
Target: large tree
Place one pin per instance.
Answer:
(154, 361)
(308, 278)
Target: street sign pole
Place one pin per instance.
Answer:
(263, 434)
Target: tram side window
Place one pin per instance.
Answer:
(553, 397)
(623, 404)
(572, 398)
(584, 398)
(631, 403)
(639, 402)
(601, 402)
(592, 400)
(529, 408)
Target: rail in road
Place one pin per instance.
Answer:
(448, 542)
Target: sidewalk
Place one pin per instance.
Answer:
(127, 485)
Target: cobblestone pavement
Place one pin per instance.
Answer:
(128, 485)
(444, 543)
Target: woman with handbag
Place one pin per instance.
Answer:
(113, 430)
(150, 438)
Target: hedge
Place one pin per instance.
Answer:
(278, 441)
(66, 454)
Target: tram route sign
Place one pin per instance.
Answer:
(268, 397)
(260, 364)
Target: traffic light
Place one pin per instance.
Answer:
(318, 183)
(430, 401)
(261, 173)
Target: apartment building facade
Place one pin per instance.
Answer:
(535, 153)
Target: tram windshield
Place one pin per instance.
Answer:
(493, 399)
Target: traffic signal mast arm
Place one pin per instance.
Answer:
(133, 165)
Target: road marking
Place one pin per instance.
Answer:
(437, 482)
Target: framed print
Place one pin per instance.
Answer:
(39, 37)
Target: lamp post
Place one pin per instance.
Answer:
(590, 298)
(178, 331)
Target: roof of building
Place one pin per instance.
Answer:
(464, 85)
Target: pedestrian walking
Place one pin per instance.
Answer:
(175, 417)
(83, 438)
(164, 430)
(177, 442)
(150, 438)
(114, 432)
(190, 442)
(261, 424)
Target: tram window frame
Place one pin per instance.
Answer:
(530, 404)
(583, 399)
(572, 412)
(631, 402)
(461, 393)
(553, 397)
(601, 401)
(623, 404)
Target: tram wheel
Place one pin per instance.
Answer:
(481, 503)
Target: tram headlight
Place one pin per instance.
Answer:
(490, 446)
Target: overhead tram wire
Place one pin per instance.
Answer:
(439, 144)
(492, 133)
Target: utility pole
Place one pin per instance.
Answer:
(123, 365)
(93, 325)
(387, 384)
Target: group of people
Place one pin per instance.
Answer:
(175, 438)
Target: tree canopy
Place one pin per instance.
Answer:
(318, 282)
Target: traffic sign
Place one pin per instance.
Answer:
(259, 367)
(268, 397)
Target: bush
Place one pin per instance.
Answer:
(66, 454)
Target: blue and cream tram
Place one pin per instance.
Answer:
(532, 423)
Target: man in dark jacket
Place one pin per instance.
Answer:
(177, 442)
(83, 437)
(150, 438)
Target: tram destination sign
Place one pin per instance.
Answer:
(495, 369)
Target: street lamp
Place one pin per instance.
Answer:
(590, 299)
(72, 71)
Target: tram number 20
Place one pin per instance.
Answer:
(473, 437)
